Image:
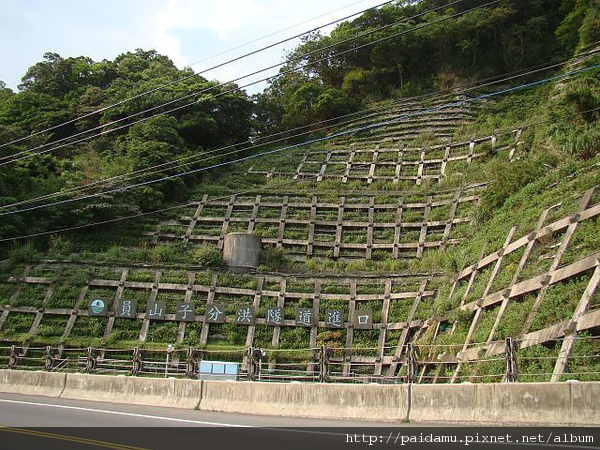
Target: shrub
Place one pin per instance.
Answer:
(208, 256)
(508, 178)
(24, 253)
(273, 258)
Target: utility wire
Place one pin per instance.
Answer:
(225, 84)
(103, 126)
(481, 97)
(333, 122)
(205, 159)
(294, 26)
(175, 82)
(147, 171)
(364, 114)
(135, 216)
(202, 169)
(162, 178)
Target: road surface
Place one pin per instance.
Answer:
(39, 411)
(47, 423)
(38, 422)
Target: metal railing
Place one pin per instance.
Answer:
(424, 364)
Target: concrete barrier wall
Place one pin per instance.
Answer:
(140, 391)
(565, 404)
(585, 407)
(102, 388)
(332, 401)
(34, 383)
(533, 405)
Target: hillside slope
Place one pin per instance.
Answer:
(439, 238)
(381, 234)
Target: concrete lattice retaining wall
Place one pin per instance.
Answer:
(561, 404)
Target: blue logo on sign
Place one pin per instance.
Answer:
(97, 306)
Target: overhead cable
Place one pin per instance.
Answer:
(29, 152)
(162, 86)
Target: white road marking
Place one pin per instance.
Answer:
(121, 413)
(197, 422)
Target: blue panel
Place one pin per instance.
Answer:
(222, 370)
(218, 368)
(205, 367)
(231, 369)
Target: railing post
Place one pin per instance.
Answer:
(250, 373)
(136, 362)
(255, 356)
(324, 368)
(169, 351)
(192, 363)
(412, 364)
(90, 360)
(321, 363)
(49, 361)
(13, 359)
(512, 370)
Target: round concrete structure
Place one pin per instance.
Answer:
(241, 251)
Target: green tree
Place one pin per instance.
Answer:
(131, 114)
(58, 77)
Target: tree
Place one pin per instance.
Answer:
(163, 114)
(58, 77)
(34, 111)
(143, 65)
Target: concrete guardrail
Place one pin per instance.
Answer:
(168, 392)
(30, 382)
(340, 401)
(561, 404)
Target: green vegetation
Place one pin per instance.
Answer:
(544, 154)
(57, 89)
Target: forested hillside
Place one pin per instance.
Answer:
(434, 163)
(75, 121)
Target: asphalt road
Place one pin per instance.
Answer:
(39, 411)
(46, 423)
(37, 422)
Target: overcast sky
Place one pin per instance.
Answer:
(193, 33)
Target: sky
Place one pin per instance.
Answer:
(193, 33)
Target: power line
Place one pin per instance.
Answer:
(189, 172)
(148, 182)
(304, 33)
(316, 140)
(134, 216)
(192, 159)
(224, 84)
(147, 171)
(205, 159)
(217, 66)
